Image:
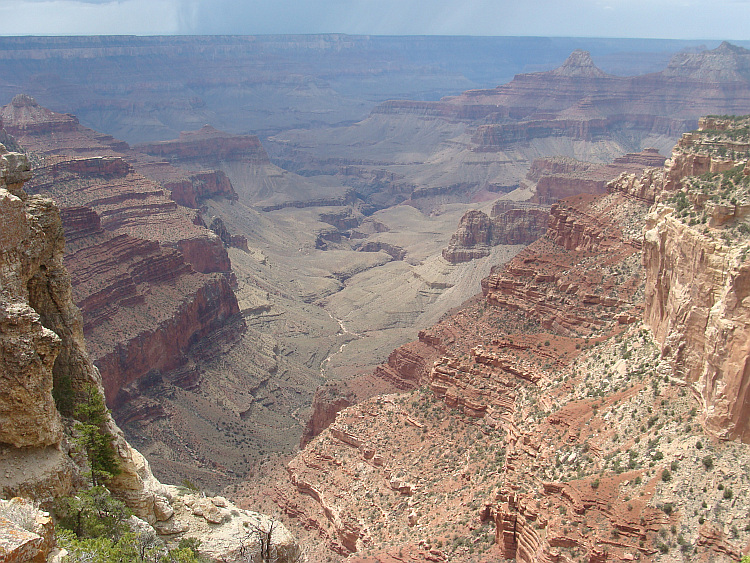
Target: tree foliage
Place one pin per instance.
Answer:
(91, 416)
(94, 528)
(92, 514)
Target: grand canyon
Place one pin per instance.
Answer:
(413, 299)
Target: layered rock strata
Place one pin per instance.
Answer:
(560, 177)
(522, 222)
(209, 146)
(510, 223)
(558, 427)
(44, 349)
(150, 278)
(557, 290)
(580, 101)
(43, 354)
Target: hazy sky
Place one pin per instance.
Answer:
(677, 19)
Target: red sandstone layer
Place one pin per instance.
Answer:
(149, 277)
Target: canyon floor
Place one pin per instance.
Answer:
(313, 316)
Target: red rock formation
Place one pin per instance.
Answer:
(560, 177)
(328, 400)
(552, 391)
(511, 223)
(407, 367)
(697, 282)
(196, 187)
(208, 146)
(150, 279)
(472, 239)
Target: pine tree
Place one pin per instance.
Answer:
(91, 435)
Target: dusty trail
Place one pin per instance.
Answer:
(343, 331)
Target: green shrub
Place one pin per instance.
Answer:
(92, 514)
(131, 547)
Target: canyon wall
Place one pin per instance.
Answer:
(150, 278)
(553, 419)
(45, 365)
(510, 223)
(44, 354)
(697, 276)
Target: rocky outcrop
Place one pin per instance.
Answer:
(559, 177)
(44, 352)
(328, 400)
(29, 349)
(696, 275)
(228, 533)
(26, 533)
(208, 146)
(392, 250)
(511, 223)
(472, 239)
(196, 187)
(694, 305)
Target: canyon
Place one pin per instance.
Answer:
(46, 374)
(251, 286)
(579, 409)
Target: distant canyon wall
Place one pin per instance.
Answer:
(150, 278)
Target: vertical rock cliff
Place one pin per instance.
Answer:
(44, 354)
(697, 272)
(43, 365)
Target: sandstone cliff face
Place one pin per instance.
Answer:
(43, 347)
(560, 177)
(29, 349)
(697, 276)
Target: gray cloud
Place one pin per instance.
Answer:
(722, 19)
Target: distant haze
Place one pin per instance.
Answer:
(678, 19)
